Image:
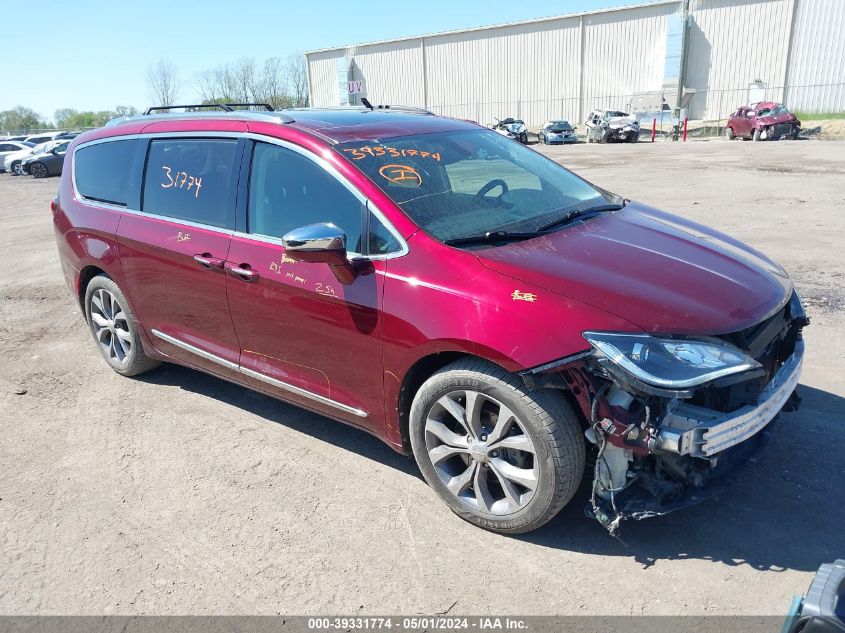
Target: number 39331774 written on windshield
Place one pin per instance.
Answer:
(181, 180)
(359, 153)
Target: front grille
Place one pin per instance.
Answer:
(770, 343)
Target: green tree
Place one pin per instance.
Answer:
(22, 120)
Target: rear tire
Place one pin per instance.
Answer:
(39, 170)
(114, 328)
(510, 465)
(756, 136)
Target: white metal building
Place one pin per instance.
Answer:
(562, 67)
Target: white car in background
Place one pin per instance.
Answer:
(43, 137)
(11, 147)
(12, 163)
(607, 126)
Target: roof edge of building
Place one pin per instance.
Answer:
(551, 18)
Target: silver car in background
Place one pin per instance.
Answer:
(556, 131)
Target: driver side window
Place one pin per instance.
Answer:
(288, 190)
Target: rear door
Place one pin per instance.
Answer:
(304, 335)
(173, 249)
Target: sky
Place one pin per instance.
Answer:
(94, 54)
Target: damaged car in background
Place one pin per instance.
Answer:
(764, 121)
(609, 126)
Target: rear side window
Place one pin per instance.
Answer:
(192, 180)
(103, 171)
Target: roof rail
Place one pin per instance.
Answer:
(247, 106)
(366, 103)
(227, 107)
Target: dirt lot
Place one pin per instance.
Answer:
(179, 493)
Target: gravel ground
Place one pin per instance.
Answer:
(178, 493)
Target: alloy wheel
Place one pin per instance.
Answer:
(39, 170)
(111, 327)
(481, 452)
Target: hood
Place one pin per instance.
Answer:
(769, 119)
(621, 121)
(661, 272)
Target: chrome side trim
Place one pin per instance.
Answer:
(196, 350)
(700, 432)
(257, 375)
(302, 392)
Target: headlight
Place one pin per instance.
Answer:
(671, 363)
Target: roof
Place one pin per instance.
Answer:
(406, 38)
(343, 125)
(336, 125)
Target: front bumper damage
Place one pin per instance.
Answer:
(692, 430)
(658, 450)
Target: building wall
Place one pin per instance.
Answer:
(322, 77)
(816, 76)
(732, 43)
(563, 67)
(393, 71)
(523, 71)
(624, 54)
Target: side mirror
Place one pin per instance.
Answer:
(322, 243)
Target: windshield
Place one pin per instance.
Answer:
(773, 111)
(559, 126)
(455, 184)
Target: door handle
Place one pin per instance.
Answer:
(207, 261)
(244, 272)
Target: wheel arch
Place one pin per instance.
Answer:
(422, 369)
(85, 276)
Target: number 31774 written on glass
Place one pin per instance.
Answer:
(181, 180)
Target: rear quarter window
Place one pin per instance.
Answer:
(192, 180)
(103, 171)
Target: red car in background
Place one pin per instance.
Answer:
(763, 121)
(458, 295)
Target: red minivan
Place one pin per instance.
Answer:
(447, 289)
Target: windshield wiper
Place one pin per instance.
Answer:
(579, 213)
(491, 237)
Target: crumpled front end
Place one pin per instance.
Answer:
(663, 447)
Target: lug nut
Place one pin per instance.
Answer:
(483, 438)
(494, 454)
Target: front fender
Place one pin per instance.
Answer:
(439, 300)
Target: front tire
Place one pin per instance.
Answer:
(729, 133)
(756, 136)
(114, 328)
(502, 457)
